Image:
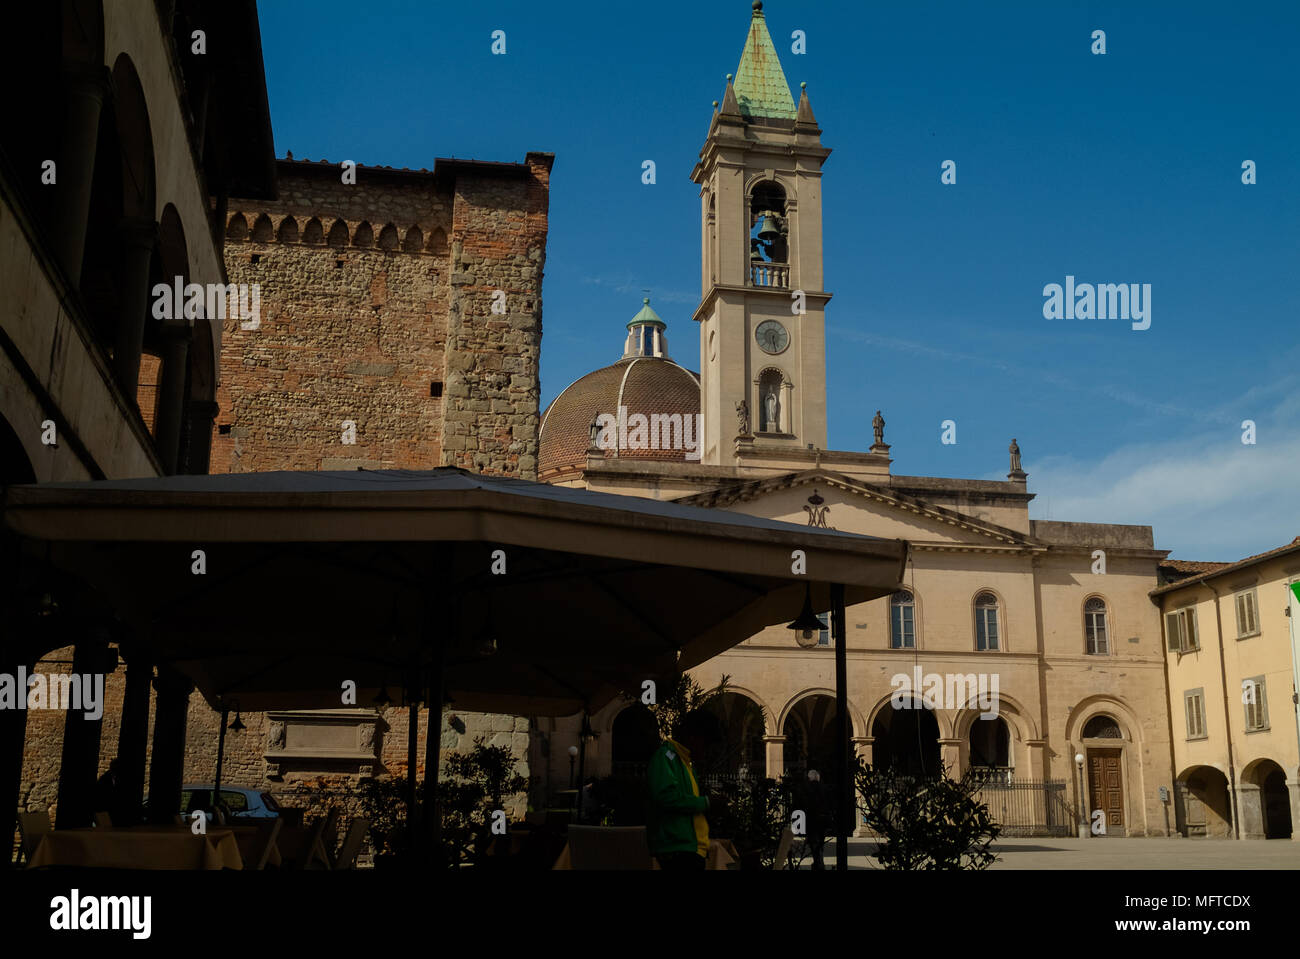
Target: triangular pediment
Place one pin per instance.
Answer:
(857, 506)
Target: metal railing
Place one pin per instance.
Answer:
(1029, 807)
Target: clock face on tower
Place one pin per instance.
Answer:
(771, 337)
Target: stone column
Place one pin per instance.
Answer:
(87, 88)
(864, 748)
(1250, 808)
(133, 737)
(167, 771)
(775, 749)
(171, 395)
(950, 755)
(1037, 750)
(79, 770)
(139, 236)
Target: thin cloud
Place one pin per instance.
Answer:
(631, 285)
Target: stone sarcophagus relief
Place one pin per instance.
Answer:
(322, 740)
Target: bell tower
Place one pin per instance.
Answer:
(762, 309)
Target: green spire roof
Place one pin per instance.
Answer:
(646, 315)
(761, 87)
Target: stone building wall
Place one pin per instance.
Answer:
(373, 298)
(245, 755)
(379, 307)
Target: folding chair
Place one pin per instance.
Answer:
(312, 851)
(271, 835)
(356, 835)
(609, 847)
(34, 826)
(329, 837)
(782, 860)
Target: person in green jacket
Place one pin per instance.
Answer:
(676, 827)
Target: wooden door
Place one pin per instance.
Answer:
(1106, 788)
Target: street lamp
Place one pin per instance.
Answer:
(573, 755)
(1083, 818)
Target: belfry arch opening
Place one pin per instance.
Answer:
(769, 233)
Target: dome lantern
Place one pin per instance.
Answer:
(645, 334)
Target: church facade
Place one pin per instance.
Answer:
(1027, 650)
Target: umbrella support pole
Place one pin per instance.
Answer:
(221, 754)
(583, 730)
(412, 737)
(844, 800)
(432, 748)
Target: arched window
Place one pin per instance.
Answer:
(1094, 627)
(1102, 727)
(986, 621)
(902, 620)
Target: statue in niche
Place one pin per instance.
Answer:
(742, 417)
(772, 424)
(878, 427)
(275, 735)
(1015, 456)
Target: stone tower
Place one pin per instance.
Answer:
(762, 312)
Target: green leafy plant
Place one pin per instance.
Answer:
(478, 783)
(676, 696)
(926, 823)
(753, 814)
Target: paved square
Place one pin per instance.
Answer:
(1074, 853)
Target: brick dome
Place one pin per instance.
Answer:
(646, 383)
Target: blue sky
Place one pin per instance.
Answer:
(1122, 168)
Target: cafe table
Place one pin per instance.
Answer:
(145, 847)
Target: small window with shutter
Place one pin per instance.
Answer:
(1256, 703)
(1194, 702)
(1247, 614)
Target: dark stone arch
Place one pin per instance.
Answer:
(741, 725)
(338, 235)
(237, 228)
(262, 229)
(135, 138)
(388, 237)
(313, 232)
(288, 232)
(907, 740)
(990, 743)
(364, 235)
(414, 241)
(437, 242)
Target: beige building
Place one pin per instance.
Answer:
(1230, 654)
(129, 125)
(1054, 617)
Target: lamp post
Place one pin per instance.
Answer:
(573, 755)
(1083, 817)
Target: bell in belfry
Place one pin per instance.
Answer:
(769, 230)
